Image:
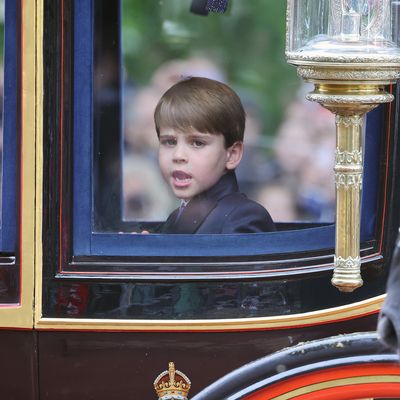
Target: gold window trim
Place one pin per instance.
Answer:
(331, 315)
(31, 234)
(21, 315)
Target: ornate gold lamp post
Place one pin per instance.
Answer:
(349, 50)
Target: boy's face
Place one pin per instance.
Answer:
(192, 162)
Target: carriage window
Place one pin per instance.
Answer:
(9, 51)
(142, 48)
(8, 126)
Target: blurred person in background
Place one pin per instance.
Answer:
(305, 150)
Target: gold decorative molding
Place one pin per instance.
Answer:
(331, 315)
(334, 383)
(350, 79)
(351, 73)
(21, 315)
(345, 99)
(348, 181)
(348, 121)
(347, 263)
(348, 157)
(349, 102)
(383, 61)
(39, 166)
(347, 272)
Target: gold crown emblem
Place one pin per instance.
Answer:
(172, 384)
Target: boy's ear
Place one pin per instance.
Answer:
(234, 155)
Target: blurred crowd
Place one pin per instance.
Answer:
(290, 172)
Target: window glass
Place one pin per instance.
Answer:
(2, 15)
(9, 51)
(142, 48)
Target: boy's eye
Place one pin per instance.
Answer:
(198, 143)
(168, 141)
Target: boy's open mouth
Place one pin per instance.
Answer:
(181, 178)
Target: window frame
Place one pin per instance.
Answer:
(8, 226)
(100, 282)
(79, 252)
(11, 167)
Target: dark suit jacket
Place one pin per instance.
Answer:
(221, 209)
(389, 317)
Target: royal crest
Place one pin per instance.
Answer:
(172, 384)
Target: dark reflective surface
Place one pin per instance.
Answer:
(9, 284)
(18, 366)
(120, 366)
(199, 300)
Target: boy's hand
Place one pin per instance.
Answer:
(142, 233)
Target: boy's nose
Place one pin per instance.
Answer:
(179, 154)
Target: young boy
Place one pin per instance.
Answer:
(200, 124)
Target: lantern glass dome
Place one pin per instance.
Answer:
(354, 29)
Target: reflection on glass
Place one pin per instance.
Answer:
(345, 28)
(183, 301)
(365, 19)
(287, 163)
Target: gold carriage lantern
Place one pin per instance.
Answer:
(349, 50)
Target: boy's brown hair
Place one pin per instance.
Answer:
(204, 105)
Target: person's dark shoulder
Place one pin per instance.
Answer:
(246, 216)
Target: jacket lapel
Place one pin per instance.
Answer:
(168, 225)
(200, 207)
(193, 215)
